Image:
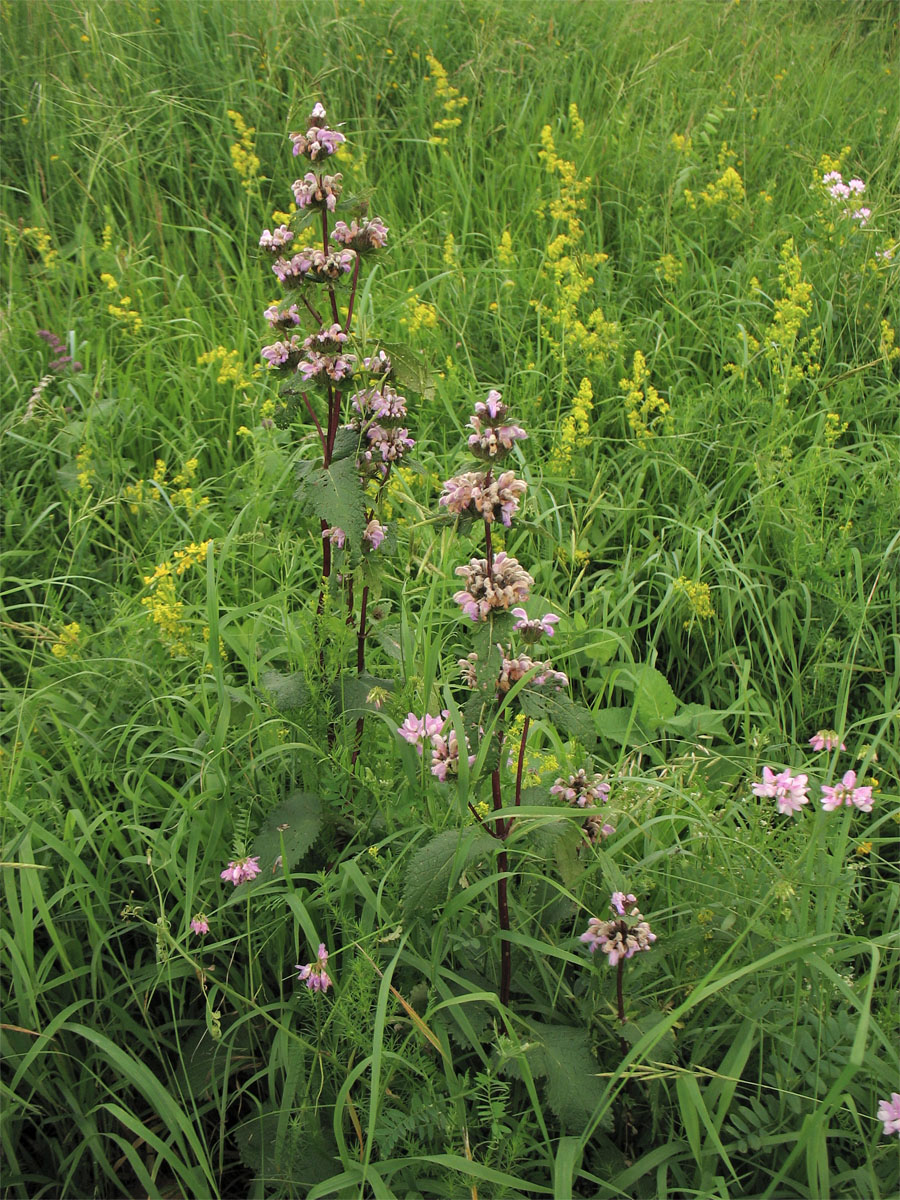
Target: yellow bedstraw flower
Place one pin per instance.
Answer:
(243, 155)
(699, 598)
(575, 429)
(451, 100)
(66, 645)
(644, 405)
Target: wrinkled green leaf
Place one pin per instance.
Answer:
(335, 495)
(561, 1055)
(285, 691)
(288, 832)
(573, 719)
(434, 868)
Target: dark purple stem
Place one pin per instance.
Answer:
(620, 1001)
(521, 763)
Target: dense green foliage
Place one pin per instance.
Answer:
(615, 213)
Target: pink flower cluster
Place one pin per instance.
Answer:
(581, 789)
(319, 141)
(314, 974)
(513, 667)
(384, 404)
(486, 494)
(313, 265)
(847, 792)
(284, 354)
(533, 630)
(276, 240)
(791, 792)
(623, 937)
(241, 870)
(838, 190)
(200, 924)
(282, 318)
(492, 437)
(318, 191)
(506, 584)
(586, 791)
(889, 1113)
(370, 233)
(826, 739)
(444, 748)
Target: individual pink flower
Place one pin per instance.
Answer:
(532, 630)
(314, 974)
(335, 535)
(825, 739)
(889, 1113)
(789, 791)
(846, 792)
(199, 924)
(374, 534)
(618, 901)
(241, 869)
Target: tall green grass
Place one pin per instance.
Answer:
(762, 1028)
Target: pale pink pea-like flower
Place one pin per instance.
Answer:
(532, 630)
(787, 790)
(240, 870)
(889, 1113)
(314, 974)
(846, 792)
(825, 739)
(618, 901)
(374, 534)
(199, 924)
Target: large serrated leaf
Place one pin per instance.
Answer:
(408, 370)
(436, 866)
(351, 691)
(653, 696)
(561, 1054)
(285, 691)
(346, 443)
(288, 832)
(335, 494)
(306, 1153)
(574, 719)
(560, 841)
(477, 713)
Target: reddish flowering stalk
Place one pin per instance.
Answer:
(319, 366)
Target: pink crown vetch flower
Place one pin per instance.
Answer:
(846, 792)
(889, 1113)
(314, 974)
(241, 869)
(826, 739)
(789, 791)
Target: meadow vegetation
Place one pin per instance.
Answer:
(324, 874)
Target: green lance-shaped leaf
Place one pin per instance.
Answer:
(435, 868)
(335, 494)
(287, 833)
